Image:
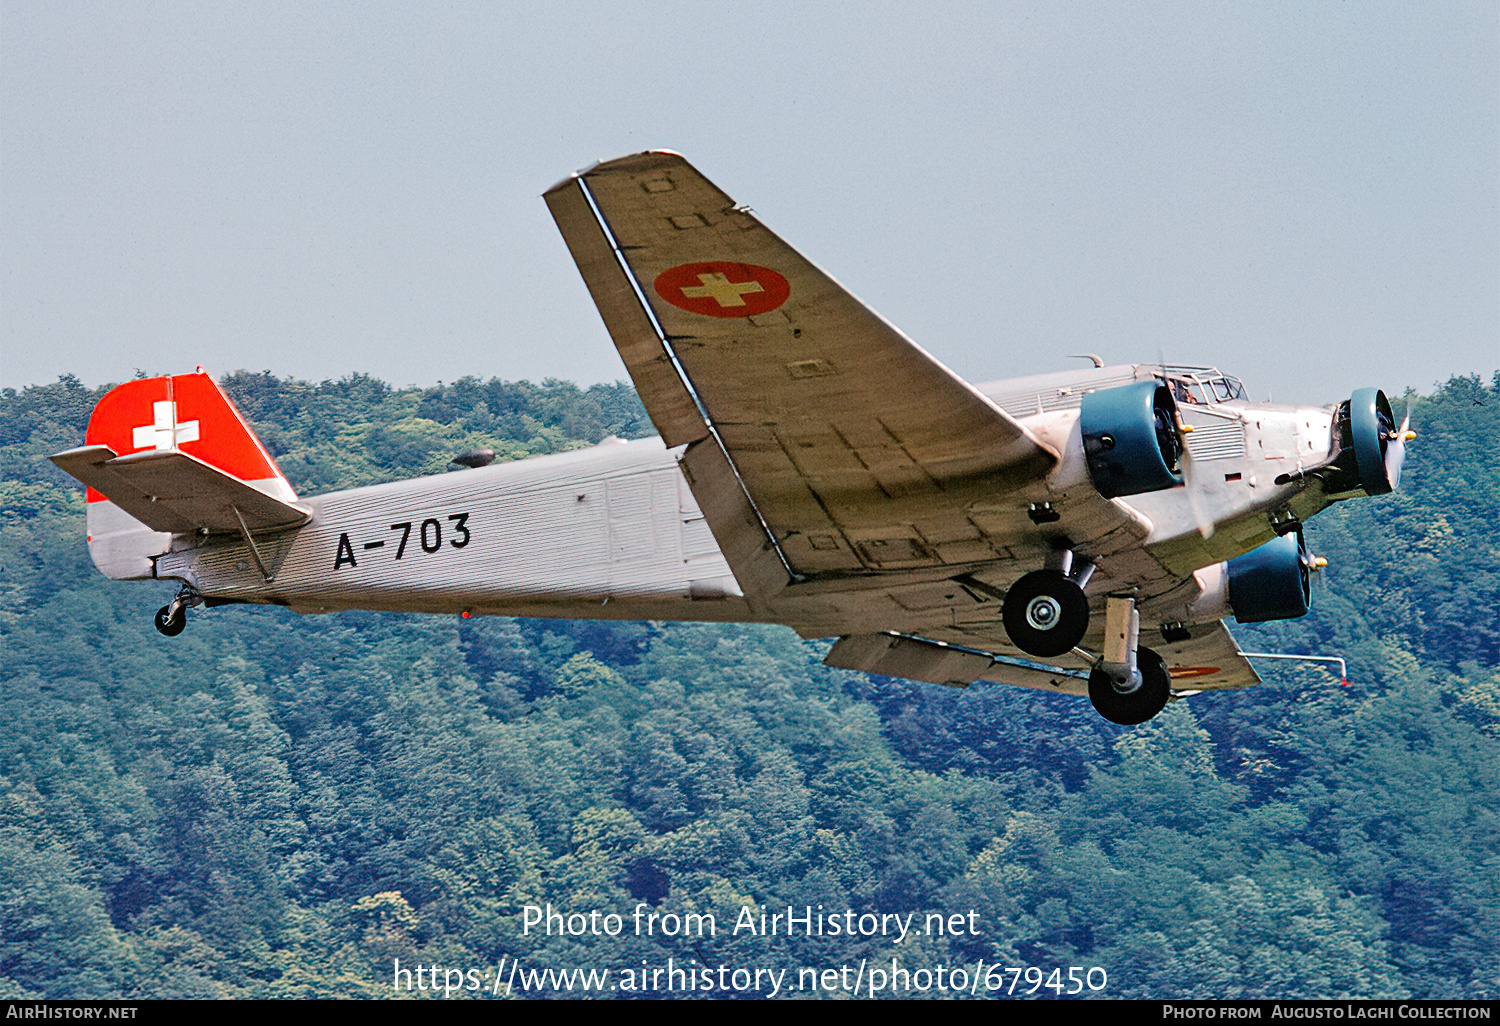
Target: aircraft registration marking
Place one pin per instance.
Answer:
(722, 288)
(428, 537)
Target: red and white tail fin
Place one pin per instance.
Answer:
(171, 455)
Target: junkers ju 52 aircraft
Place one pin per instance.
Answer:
(815, 468)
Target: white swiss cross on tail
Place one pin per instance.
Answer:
(164, 432)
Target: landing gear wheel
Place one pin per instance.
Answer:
(1139, 704)
(169, 622)
(1045, 613)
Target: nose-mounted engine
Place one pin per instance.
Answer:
(1371, 449)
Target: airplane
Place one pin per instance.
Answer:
(813, 468)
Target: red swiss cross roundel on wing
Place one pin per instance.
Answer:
(722, 288)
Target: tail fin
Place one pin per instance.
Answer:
(171, 455)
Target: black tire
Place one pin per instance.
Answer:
(1045, 614)
(1131, 707)
(171, 625)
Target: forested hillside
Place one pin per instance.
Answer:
(281, 806)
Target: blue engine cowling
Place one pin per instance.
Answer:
(1130, 439)
(1271, 582)
(1378, 446)
(1371, 446)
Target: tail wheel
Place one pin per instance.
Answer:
(1138, 701)
(169, 622)
(1045, 613)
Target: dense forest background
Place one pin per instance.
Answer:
(279, 806)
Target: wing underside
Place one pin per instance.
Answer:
(1210, 660)
(855, 452)
(848, 477)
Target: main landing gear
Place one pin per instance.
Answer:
(1046, 612)
(1129, 685)
(172, 617)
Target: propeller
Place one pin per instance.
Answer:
(1310, 566)
(1395, 450)
(1202, 517)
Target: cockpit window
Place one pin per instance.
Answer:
(1227, 388)
(1189, 392)
(1198, 390)
(1199, 386)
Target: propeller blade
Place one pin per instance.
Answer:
(1201, 515)
(1395, 451)
(1314, 564)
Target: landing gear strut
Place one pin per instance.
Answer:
(172, 617)
(1046, 612)
(1130, 684)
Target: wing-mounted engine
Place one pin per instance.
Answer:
(1131, 439)
(1272, 582)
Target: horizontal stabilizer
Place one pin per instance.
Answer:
(170, 491)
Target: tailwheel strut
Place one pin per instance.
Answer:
(172, 617)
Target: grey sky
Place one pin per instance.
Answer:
(1306, 194)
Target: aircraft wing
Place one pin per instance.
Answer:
(821, 434)
(1210, 660)
(174, 492)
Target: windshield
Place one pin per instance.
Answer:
(1202, 386)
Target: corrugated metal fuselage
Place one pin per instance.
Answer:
(614, 532)
(607, 532)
